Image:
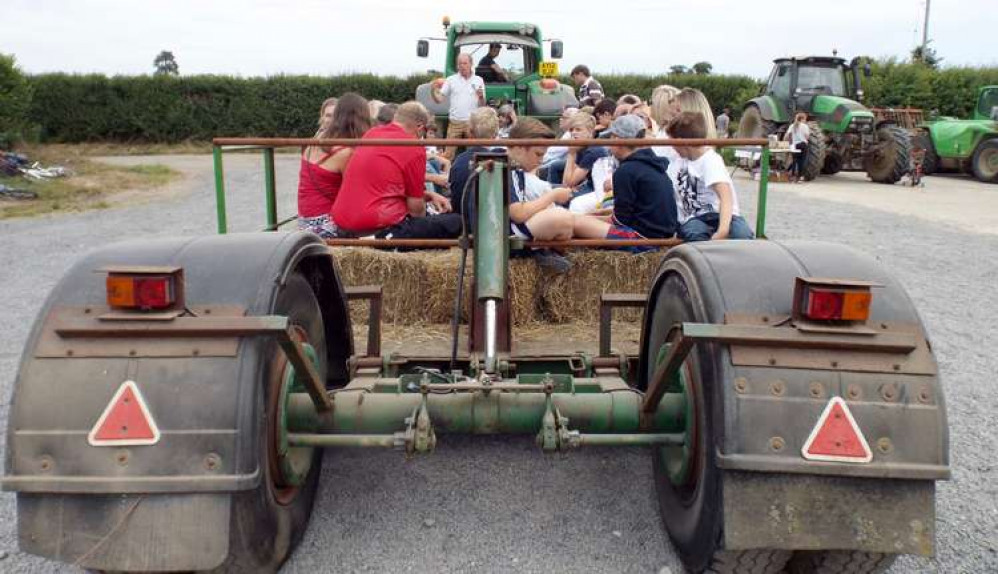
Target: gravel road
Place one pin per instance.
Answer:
(494, 505)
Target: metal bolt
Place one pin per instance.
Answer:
(777, 388)
(885, 445)
(883, 326)
(207, 311)
(196, 352)
(777, 443)
(86, 311)
(741, 384)
(69, 352)
(212, 461)
(835, 364)
(889, 392)
(765, 319)
(853, 392)
(817, 390)
(121, 457)
(45, 463)
(924, 396)
(772, 361)
(131, 352)
(896, 366)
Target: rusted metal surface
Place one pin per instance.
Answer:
(802, 512)
(349, 142)
(848, 357)
(53, 345)
(371, 294)
(607, 303)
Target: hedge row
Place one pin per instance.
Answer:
(77, 108)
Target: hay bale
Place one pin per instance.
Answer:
(419, 286)
(574, 296)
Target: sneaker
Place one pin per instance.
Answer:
(550, 260)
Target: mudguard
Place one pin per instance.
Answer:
(423, 96)
(770, 109)
(772, 496)
(544, 102)
(176, 493)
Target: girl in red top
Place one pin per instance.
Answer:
(322, 168)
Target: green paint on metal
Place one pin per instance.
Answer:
(270, 188)
(679, 457)
(294, 462)
(216, 153)
(959, 138)
(987, 101)
(837, 114)
(760, 216)
(491, 248)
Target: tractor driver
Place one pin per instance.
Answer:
(489, 69)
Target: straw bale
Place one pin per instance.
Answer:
(419, 286)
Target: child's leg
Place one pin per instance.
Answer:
(588, 227)
(697, 229)
(739, 228)
(551, 224)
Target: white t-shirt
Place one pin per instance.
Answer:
(556, 152)
(799, 133)
(666, 151)
(463, 94)
(534, 187)
(693, 180)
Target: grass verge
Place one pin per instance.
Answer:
(91, 185)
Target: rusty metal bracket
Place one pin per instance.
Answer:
(682, 338)
(209, 327)
(372, 294)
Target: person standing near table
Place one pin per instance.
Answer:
(465, 92)
(723, 121)
(798, 135)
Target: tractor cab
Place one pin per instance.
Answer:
(509, 57)
(987, 104)
(797, 83)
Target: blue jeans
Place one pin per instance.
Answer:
(555, 172)
(701, 228)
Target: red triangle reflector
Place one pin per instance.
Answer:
(126, 420)
(837, 437)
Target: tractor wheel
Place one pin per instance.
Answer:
(833, 163)
(930, 161)
(687, 479)
(268, 522)
(985, 161)
(889, 159)
(839, 562)
(753, 126)
(815, 159)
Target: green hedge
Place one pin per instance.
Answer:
(15, 101)
(80, 108)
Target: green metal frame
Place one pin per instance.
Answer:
(270, 187)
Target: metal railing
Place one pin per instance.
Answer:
(268, 145)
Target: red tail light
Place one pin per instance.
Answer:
(832, 299)
(145, 288)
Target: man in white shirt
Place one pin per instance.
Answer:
(465, 92)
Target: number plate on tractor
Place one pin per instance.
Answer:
(549, 69)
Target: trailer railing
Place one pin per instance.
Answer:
(267, 147)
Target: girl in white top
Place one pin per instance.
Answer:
(798, 134)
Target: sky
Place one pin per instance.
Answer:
(266, 37)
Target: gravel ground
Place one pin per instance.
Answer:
(495, 505)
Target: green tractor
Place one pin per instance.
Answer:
(967, 145)
(529, 86)
(844, 133)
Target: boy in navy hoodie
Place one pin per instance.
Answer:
(644, 203)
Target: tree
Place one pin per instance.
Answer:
(926, 57)
(15, 101)
(702, 68)
(166, 64)
(678, 69)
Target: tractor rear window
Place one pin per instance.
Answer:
(821, 80)
(989, 101)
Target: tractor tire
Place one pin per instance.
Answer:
(930, 161)
(985, 161)
(268, 522)
(752, 125)
(692, 509)
(839, 562)
(890, 161)
(833, 163)
(815, 160)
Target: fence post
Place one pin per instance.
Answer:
(216, 152)
(270, 188)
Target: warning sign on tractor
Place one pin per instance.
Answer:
(126, 421)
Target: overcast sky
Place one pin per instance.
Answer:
(252, 38)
